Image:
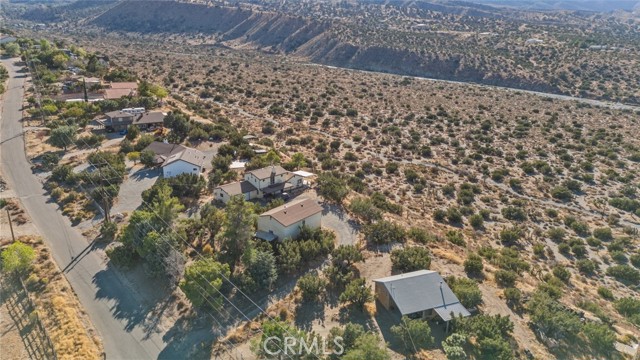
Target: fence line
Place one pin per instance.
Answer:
(38, 322)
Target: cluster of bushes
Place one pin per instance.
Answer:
(309, 245)
(410, 259)
(556, 321)
(481, 337)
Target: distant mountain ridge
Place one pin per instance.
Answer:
(298, 36)
(576, 5)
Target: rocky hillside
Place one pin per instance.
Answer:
(314, 40)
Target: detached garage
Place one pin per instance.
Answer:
(422, 293)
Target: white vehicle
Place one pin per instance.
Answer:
(139, 110)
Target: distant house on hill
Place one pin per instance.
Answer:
(286, 221)
(116, 90)
(422, 293)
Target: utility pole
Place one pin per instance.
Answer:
(11, 226)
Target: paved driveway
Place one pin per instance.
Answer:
(346, 229)
(130, 195)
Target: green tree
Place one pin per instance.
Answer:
(553, 318)
(365, 209)
(298, 160)
(629, 307)
(473, 264)
(262, 269)
(166, 207)
(454, 345)
(17, 257)
(346, 255)
(411, 259)
(491, 333)
(350, 334)
(385, 232)
(133, 156)
(238, 229)
(624, 273)
(367, 347)
(312, 286)
(415, 334)
(147, 158)
(132, 132)
(12, 49)
(332, 187)
(601, 338)
(466, 290)
(203, 280)
(357, 292)
(274, 334)
(63, 136)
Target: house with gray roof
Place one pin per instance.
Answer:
(117, 120)
(188, 161)
(150, 120)
(273, 180)
(243, 188)
(422, 293)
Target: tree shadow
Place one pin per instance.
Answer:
(355, 315)
(126, 305)
(191, 337)
(307, 312)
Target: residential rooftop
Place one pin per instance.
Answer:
(294, 211)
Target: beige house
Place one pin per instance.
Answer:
(285, 222)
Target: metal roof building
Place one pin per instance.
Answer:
(422, 291)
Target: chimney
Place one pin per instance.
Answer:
(273, 175)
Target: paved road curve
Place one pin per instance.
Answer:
(114, 308)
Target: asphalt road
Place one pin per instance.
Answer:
(116, 309)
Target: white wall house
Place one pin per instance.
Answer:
(189, 161)
(285, 222)
(225, 192)
(267, 177)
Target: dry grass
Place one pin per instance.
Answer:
(69, 328)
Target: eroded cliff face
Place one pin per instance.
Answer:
(306, 38)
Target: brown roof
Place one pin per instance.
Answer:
(237, 188)
(192, 156)
(124, 85)
(265, 172)
(118, 93)
(294, 211)
(154, 117)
